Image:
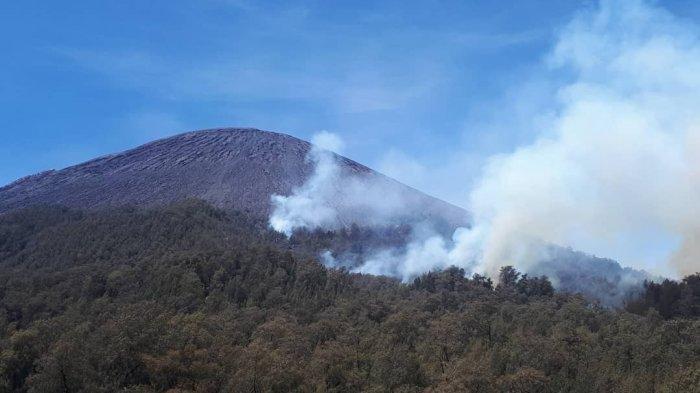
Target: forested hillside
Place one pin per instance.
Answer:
(189, 298)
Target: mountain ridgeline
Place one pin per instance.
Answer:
(233, 168)
(240, 169)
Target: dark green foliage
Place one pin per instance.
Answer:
(535, 286)
(189, 298)
(508, 277)
(670, 298)
(511, 282)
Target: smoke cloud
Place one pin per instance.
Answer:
(617, 169)
(336, 196)
(427, 251)
(615, 172)
(310, 206)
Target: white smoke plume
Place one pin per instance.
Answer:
(427, 251)
(616, 172)
(310, 205)
(335, 196)
(619, 166)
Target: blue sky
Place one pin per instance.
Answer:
(421, 87)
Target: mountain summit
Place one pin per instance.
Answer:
(231, 168)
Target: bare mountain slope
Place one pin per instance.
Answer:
(231, 168)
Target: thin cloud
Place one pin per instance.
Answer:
(353, 90)
(499, 40)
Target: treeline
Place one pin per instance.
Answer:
(598, 279)
(672, 299)
(188, 298)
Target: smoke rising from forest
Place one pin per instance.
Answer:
(614, 171)
(618, 166)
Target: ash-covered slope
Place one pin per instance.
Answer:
(231, 168)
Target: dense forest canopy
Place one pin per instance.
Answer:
(190, 298)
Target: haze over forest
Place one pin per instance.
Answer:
(505, 201)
